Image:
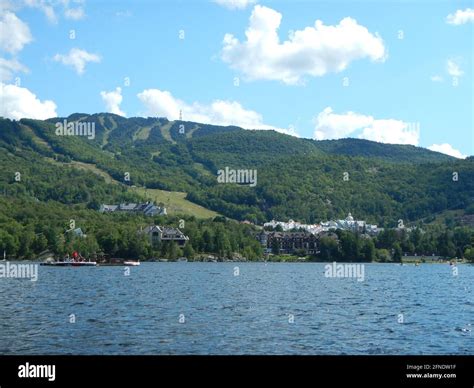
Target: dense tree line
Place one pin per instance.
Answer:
(393, 244)
(29, 228)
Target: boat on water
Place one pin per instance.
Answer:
(76, 261)
(182, 260)
(116, 262)
(131, 263)
(68, 263)
(121, 264)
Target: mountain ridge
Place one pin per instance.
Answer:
(344, 146)
(297, 178)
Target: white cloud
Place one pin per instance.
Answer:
(447, 149)
(72, 9)
(74, 13)
(77, 58)
(45, 6)
(453, 68)
(235, 4)
(291, 131)
(461, 17)
(313, 51)
(20, 103)
(6, 5)
(15, 34)
(160, 103)
(391, 131)
(9, 67)
(218, 112)
(436, 78)
(113, 100)
(330, 125)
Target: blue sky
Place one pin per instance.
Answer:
(385, 71)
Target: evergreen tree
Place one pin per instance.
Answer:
(188, 251)
(369, 250)
(397, 253)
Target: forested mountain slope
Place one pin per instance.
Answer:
(296, 178)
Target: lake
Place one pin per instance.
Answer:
(256, 308)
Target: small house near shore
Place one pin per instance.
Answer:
(158, 234)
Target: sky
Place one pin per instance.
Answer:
(393, 72)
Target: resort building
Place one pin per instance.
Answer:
(288, 242)
(77, 232)
(157, 234)
(352, 225)
(348, 223)
(292, 225)
(147, 208)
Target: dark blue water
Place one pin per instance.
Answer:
(245, 314)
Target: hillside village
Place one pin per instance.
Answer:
(277, 238)
(291, 237)
(346, 224)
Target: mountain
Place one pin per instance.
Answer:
(396, 153)
(131, 158)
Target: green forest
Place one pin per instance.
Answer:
(391, 245)
(28, 229)
(47, 180)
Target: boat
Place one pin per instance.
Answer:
(110, 264)
(131, 263)
(182, 260)
(69, 263)
(106, 261)
(78, 261)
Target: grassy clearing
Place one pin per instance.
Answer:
(142, 133)
(165, 131)
(36, 138)
(175, 202)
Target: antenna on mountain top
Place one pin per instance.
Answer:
(180, 115)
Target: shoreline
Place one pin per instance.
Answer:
(409, 262)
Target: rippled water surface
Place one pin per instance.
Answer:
(246, 314)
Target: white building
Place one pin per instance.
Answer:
(147, 208)
(290, 225)
(346, 224)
